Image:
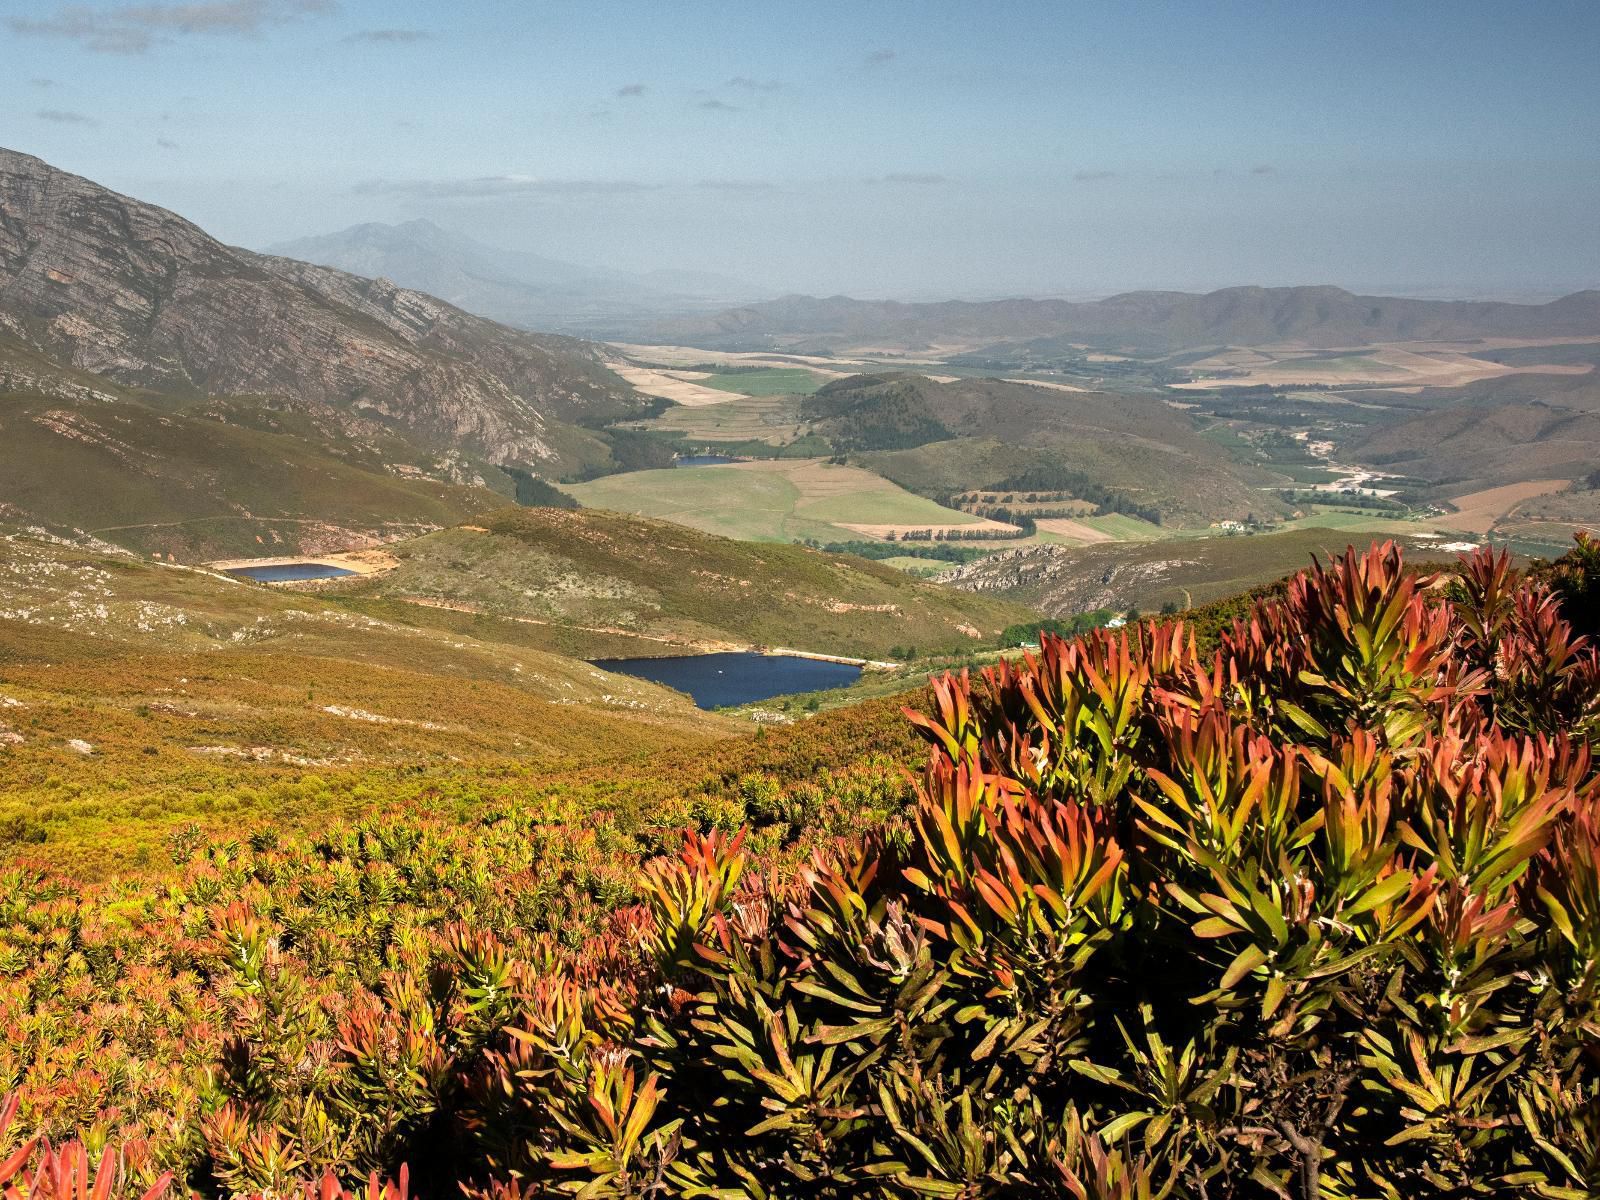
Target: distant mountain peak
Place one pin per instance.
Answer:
(517, 287)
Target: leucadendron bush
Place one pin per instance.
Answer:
(1314, 914)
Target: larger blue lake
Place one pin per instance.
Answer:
(718, 680)
(289, 572)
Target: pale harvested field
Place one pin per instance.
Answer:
(1420, 364)
(685, 356)
(1477, 512)
(1478, 346)
(1076, 530)
(1058, 387)
(671, 387)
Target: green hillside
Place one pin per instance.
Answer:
(592, 583)
(162, 482)
(789, 500)
(939, 439)
(136, 698)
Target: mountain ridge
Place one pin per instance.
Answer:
(1317, 315)
(132, 292)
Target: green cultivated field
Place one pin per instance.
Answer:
(768, 501)
(1356, 522)
(777, 381)
(1355, 365)
(771, 419)
(1124, 528)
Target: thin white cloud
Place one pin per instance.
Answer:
(389, 37)
(737, 185)
(135, 28)
(57, 116)
(746, 84)
(717, 106)
(488, 186)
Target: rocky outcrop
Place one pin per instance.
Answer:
(135, 294)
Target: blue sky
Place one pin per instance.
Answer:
(880, 149)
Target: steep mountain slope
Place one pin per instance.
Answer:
(519, 288)
(1241, 316)
(125, 290)
(195, 487)
(592, 583)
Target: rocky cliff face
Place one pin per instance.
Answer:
(135, 294)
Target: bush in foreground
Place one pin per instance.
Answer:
(1315, 915)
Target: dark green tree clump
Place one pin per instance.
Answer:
(533, 492)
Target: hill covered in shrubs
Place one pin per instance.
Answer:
(1316, 913)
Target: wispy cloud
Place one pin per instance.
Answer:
(166, 143)
(1092, 176)
(390, 37)
(715, 105)
(630, 89)
(917, 177)
(879, 58)
(59, 116)
(737, 185)
(746, 84)
(1262, 169)
(43, 83)
(486, 186)
(135, 28)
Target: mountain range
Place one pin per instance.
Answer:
(1145, 321)
(516, 287)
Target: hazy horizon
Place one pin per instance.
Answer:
(914, 153)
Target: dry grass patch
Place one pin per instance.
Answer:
(1479, 512)
(1076, 530)
(669, 386)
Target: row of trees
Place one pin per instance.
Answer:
(1024, 528)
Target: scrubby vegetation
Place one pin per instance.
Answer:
(1317, 914)
(590, 577)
